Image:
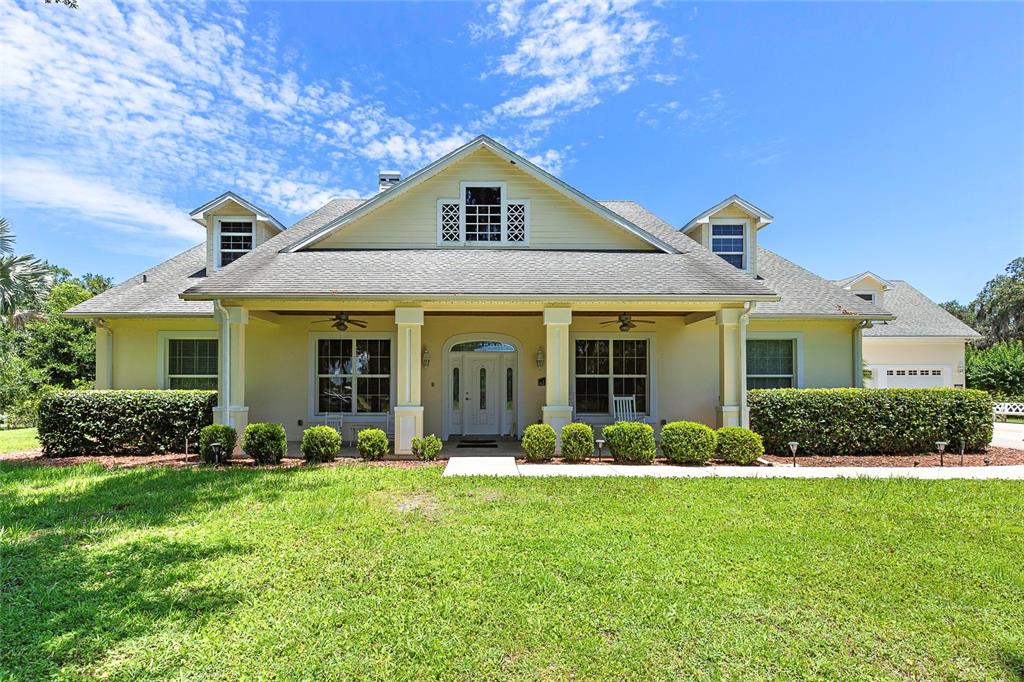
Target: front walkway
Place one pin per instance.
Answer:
(506, 466)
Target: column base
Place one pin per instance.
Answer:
(729, 415)
(408, 425)
(557, 416)
(236, 416)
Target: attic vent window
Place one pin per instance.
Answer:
(235, 239)
(727, 240)
(483, 216)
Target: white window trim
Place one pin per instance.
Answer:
(747, 238)
(798, 360)
(311, 380)
(651, 416)
(163, 339)
(861, 292)
(461, 201)
(216, 234)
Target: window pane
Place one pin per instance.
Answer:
(769, 382)
(630, 358)
(634, 386)
(456, 403)
(374, 394)
(476, 196)
(591, 356)
(508, 388)
(483, 214)
(193, 383)
(334, 356)
(726, 245)
(727, 230)
(334, 394)
(483, 388)
(591, 395)
(733, 259)
(192, 357)
(867, 297)
(373, 356)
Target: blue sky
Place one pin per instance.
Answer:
(883, 137)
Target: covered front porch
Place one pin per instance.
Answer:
(479, 371)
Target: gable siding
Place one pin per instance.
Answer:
(411, 220)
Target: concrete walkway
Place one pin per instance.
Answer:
(506, 466)
(1007, 435)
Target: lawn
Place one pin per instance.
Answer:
(16, 440)
(387, 573)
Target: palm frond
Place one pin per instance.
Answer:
(6, 238)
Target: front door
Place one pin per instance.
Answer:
(480, 400)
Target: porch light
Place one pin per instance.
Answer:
(540, 358)
(941, 447)
(793, 445)
(426, 358)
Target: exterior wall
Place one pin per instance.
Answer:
(556, 222)
(827, 348)
(135, 350)
(946, 352)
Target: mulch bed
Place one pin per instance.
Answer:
(991, 457)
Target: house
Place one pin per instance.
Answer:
(922, 348)
(477, 296)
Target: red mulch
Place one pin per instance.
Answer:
(994, 457)
(181, 460)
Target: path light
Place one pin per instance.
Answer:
(600, 443)
(987, 461)
(793, 445)
(962, 454)
(941, 447)
(917, 461)
(216, 448)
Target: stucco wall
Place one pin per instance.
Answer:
(827, 349)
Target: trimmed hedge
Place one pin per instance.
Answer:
(320, 444)
(869, 421)
(427, 448)
(265, 443)
(737, 445)
(372, 444)
(577, 441)
(631, 442)
(539, 442)
(217, 433)
(122, 422)
(688, 442)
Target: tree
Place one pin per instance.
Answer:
(962, 312)
(23, 280)
(998, 369)
(61, 349)
(999, 307)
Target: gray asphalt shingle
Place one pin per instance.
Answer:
(805, 293)
(917, 315)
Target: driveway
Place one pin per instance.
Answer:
(1007, 435)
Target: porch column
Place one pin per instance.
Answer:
(732, 367)
(231, 408)
(104, 356)
(557, 410)
(408, 407)
(858, 356)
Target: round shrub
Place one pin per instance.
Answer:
(320, 444)
(427, 448)
(265, 443)
(688, 442)
(216, 433)
(372, 444)
(631, 442)
(577, 441)
(539, 442)
(737, 445)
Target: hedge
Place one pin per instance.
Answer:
(688, 442)
(539, 442)
(868, 421)
(577, 441)
(372, 444)
(265, 443)
(320, 444)
(631, 442)
(427, 448)
(122, 422)
(223, 434)
(737, 445)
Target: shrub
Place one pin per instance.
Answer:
(577, 441)
(265, 443)
(122, 422)
(867, 421)
(216, 433)
(539, 442)
(427, 448)
(998, 369)
(631, 442)
(320, 444)
(688, 442)
(737, 445)
(372, 444)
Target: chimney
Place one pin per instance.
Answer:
(387, 179)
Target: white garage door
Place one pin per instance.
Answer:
(916, 377)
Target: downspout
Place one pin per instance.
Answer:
(748, 308)
(225, 327)
(858, 353)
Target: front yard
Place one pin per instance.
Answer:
(18, 440)
(355, 571)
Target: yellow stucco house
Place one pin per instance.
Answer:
(477, 296)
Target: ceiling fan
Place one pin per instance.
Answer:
(341, 322)
(626, 322)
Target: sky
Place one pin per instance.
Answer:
(882, 137)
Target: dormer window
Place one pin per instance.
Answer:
(869, 296)
(234, 239)
(483, 216)
(728, 240)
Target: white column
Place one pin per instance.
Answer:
(408, 406)
(104, 355)
(231, 408)
(858, 356)
(731, 366)
(557, 410)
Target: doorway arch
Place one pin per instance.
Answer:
(514, 429)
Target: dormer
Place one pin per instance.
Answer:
(234, 227)
(866, 285)
(729, 229)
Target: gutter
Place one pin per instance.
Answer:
(539, 298)
(225, 342)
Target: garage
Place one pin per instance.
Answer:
(914, 376)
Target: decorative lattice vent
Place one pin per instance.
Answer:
(516, 222)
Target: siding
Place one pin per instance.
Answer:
(555, 221)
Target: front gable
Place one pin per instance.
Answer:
(547, 214)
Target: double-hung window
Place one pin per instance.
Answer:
(235, 239)
(728, 240)
(353, 376)
(771, 363)
(192, 364)
(611, 367)
(483, 215)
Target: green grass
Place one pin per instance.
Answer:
(382, 573)
(16, 440)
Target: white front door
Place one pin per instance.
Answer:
(480, 396)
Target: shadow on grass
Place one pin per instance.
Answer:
(87, 562)
(1013, 664)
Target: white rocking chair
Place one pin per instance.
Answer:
(624, 408)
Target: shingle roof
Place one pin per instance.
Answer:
(158, 295)
(805, 293)
(917, 315)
